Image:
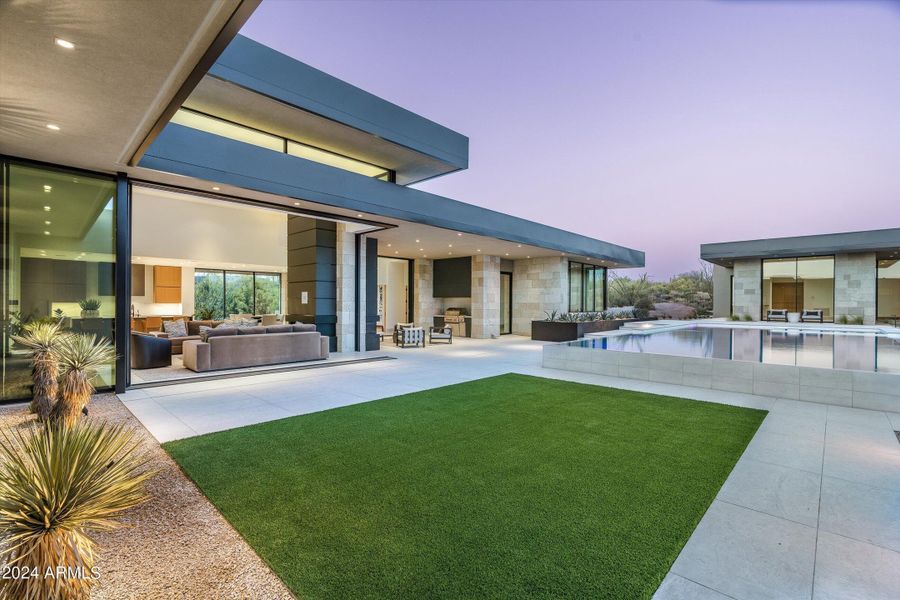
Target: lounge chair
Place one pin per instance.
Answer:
(812, 316)
(441, 334)
(777, 314)
(411, 336)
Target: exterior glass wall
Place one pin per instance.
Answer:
(219, 294)
(797, 284)
(889, 290)
(587, 287)
(248, 135)
(58, 251)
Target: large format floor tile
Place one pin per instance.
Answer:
(851, 570)
(749, 555)
(779, 491)
(861, 512)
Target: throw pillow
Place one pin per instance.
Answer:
(175, 328)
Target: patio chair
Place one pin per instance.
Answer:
(777, 314)
(441, 334)
(411, 336)
(397, 329)
(815, 315)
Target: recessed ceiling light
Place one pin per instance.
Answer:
(421, 249)
(527, 257)
(47, 223)
(459, 234)
(507, 253)
(449, 245)
(52, 126)
(425, 255)
(396, 252)
(216, 188)
(47, 209)
(64, 43)
(417, 241)
(296, 204)
(359, 215)
(46, 233)
(389, 245)
(449, 253)
(48, 188)
(479, 250)
(519, 246)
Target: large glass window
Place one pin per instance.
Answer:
(798, 284)
(889, 289)
(248, 135)
(586, 287)
(58, 261)
(219, 294)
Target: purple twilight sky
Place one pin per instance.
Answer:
(656, 125)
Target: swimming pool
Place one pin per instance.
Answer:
(779, 346)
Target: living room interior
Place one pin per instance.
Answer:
(200, 264)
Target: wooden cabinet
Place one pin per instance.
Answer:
(167, 284)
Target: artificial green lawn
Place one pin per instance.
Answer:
(507, 487)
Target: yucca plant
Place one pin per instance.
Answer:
(78, 357)
(59, 484)
(41, 338)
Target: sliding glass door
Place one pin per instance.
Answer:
(798, 284)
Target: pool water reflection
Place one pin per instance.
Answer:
(822, 349)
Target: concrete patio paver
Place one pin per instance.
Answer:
(811, 509)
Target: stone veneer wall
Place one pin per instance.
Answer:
(747, 288)
(855, 285)
(485, 296)
(423, 292)
(346, 288)
(539, 285)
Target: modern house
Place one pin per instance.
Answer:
(854, 275)
(166, 166)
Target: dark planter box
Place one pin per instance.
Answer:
(561, 331)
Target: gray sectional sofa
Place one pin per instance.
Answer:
(232, 348)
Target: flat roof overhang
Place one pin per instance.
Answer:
(188, 157)
(255, 85)
(108, 94)
(884, 242)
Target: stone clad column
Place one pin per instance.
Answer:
(345, 274)
(423, 292)
(485, 296)
(540, 285)
(747, 288)
(855, 286)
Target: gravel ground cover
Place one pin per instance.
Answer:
(177, 545)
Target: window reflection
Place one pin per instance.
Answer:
(59, 248)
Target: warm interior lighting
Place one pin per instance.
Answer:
(48, 188)
(52, 126)
(47, 223)
(216, 188)
(64, 43)
(46, 233)
(417, 241)
(47, 209)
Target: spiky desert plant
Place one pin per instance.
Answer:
(41, 337)
(78, 357)
(59, 484)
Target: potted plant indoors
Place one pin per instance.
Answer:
(90, 307)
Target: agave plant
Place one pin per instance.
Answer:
(78, 357)
(57, 485)
(41, 338)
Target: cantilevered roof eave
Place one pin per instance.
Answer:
(725, 253)
(265, 71)
(192, 153)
